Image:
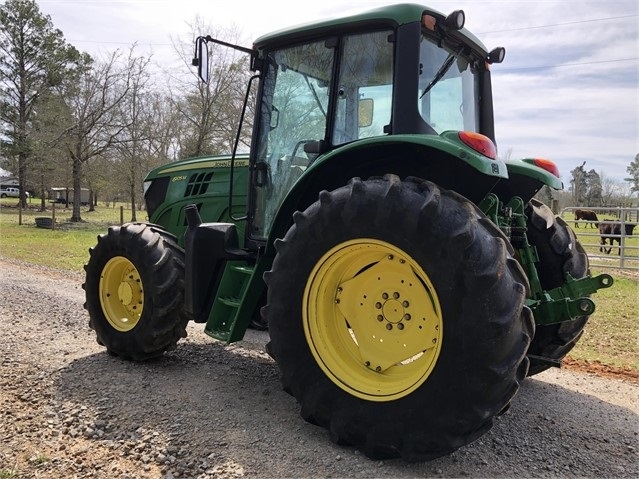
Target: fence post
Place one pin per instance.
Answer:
(121, 215)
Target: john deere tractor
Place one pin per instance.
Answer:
(408, 277)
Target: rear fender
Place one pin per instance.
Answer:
(441, 159)
(525, 179)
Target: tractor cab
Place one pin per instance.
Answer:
(399, 70)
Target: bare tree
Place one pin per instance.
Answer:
(211, 112)
(94, 102)
(611, 189)
(137, 117)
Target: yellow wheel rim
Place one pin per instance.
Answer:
(372, 320)
(121, 293)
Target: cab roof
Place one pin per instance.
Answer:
(395, 15)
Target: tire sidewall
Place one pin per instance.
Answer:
(470, 350)
(138, 244)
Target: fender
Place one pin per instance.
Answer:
(526, 178)
(443, 159)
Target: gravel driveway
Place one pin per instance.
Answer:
(209, 410)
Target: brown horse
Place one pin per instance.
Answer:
(587, 215)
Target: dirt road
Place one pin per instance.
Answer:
(67, 409)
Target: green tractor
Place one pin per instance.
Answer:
(408, 277)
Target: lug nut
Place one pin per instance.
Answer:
(407, 317)
(378, 305)
(396, 295)
(400, 326)
(405, 304)
(384, 295)
(380, 317)
(389, 326)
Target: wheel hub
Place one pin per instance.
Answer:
(121, 293)
(371, 310)
(393, 310)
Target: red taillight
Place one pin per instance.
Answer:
(479, 143)
(547, 165)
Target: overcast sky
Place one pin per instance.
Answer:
(567, 90)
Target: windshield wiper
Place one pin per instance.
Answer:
(317, 100)
(441, 72)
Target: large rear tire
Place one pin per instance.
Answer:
(559, 253)
(397, 318)
(134, 291)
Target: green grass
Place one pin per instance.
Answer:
(610, 337)
(8, 473)
(66, 246)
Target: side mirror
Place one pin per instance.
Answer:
(365, 113)
(201, 59)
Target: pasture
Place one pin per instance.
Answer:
(610, 339)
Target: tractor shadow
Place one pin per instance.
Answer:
(233, 396)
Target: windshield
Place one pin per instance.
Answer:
(448, 89)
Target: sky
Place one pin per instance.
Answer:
(566, 91)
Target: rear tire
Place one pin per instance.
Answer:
(559, 253)
(397, 319)
(134, 291)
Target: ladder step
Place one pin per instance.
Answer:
(243, 269)
(230, 301)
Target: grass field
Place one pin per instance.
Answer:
(611, 337)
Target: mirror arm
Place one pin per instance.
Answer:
(250, 51)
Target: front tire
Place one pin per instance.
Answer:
(559, 253)
(397, 318)
(134, 291)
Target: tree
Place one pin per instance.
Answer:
(94, 102)
(594, 189)
(50, 165)
(633, 171)
(579, 184)
(210, 113)
(34, 58)
(137, 119)
(586, 187)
